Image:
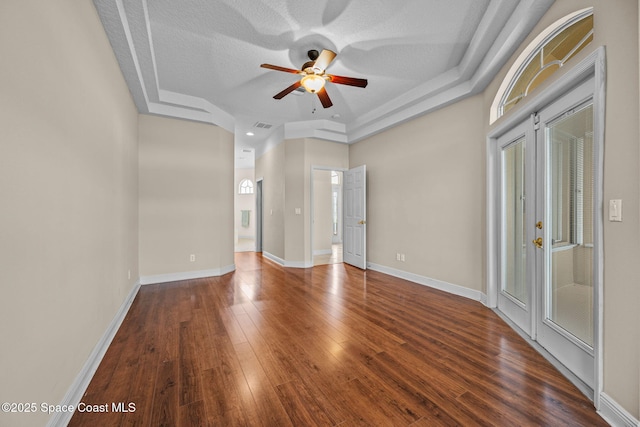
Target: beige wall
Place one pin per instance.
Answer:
(425, 192)
(294, 237)
(616, 28)
(270, 168)
(286, 169)
(68, 183)
(186, 196)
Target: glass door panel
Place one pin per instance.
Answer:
(516, 153)
(514, 277)
(569, 258)
(565, 322)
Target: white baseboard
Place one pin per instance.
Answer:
(483, 299)
(80, 384)
(288, 264)
(298, 264)
(186, 275)
(273, 258)
(427, 281)
(614, 414)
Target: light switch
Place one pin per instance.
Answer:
(298, 211)
(615, 210)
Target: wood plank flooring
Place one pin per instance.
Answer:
(327, 346)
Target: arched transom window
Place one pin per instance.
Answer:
(335, 178)
(545, 55)
(246, 187)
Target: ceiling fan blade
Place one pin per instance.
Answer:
(324, 98)
(288, 90)
(278, 68)
(351, 81)
(323, 61)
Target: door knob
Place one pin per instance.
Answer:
(538, 242)
(362, 222)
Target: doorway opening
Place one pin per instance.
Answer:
(244, 210)
(327, 216)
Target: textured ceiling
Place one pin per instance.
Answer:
(200, 59)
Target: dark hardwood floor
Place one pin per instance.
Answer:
(327, 346)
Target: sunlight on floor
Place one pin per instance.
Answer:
(335, 257)
(245, 245)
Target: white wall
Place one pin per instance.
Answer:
(68, 185)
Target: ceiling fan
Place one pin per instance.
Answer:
(314, 76)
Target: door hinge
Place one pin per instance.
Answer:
(536, 121)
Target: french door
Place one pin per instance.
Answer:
(546, 248)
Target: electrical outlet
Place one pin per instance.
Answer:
(192, 257)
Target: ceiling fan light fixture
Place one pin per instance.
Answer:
(312, 82)
(314, 77)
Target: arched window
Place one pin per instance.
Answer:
(546, 54)
(246, 187)
(335, 178)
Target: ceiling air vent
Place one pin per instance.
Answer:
(261, 125)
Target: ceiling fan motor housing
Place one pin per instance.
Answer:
(308, 67)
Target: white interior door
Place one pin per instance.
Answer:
(355, 217)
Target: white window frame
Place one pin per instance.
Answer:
(245, 187)
(527, 56)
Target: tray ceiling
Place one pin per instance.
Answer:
(200, 59)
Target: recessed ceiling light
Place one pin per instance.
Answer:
(250, 134)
